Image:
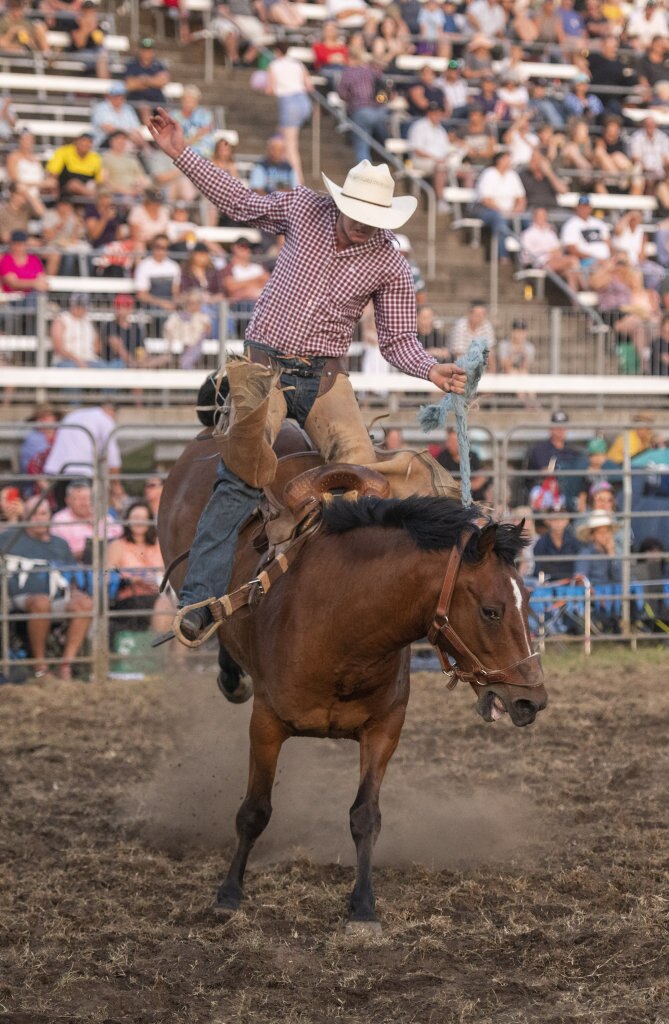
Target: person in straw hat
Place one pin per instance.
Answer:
(598, 560)
(338, 255)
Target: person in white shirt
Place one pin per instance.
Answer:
(157, 277)
(83, 439)
(586, 236)
(644, 25)
(487, 16)
(430, 149)
(540, 247)
(454, 88)
(500, 196)
(74, 340)
(650, 147)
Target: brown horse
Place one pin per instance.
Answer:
(328, 646)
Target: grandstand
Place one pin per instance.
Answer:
(600, 350)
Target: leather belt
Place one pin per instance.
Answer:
(330, 365)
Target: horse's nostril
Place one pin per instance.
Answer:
(525, 710)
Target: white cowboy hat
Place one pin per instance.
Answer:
(597, 518)
(367, 196)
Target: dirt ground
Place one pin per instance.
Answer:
(523, 873)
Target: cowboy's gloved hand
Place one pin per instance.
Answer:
(448, 377)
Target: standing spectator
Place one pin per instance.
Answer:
(553, 548)
(148, 219)
(430, 148)
(17, 212)
(43, 594)
(75, 522)
(449, 458)
(542, 186)
(74, 339)
(187, 329)
(19, 34)
(289, 81)
(146, 76)
(553, 453)
(474, 325)
(82, 441)
(112, 114)
(585, 236)
(21, 271)
(650, 148)
(358, 89)
(157, 278)
(540, 247)
(541, 107)
(499, 197)
(273, 173)
(76, 167)
(196, 121)
(87, 41)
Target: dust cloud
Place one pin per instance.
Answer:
(191, 798)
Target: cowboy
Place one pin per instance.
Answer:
(338, 255)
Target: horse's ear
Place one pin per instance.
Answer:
(487, 539)
(520, 527)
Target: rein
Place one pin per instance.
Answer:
(457, 660)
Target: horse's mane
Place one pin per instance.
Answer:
(433, 523)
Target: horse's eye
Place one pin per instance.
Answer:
(491, 614)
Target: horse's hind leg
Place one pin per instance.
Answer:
(233, 682)
(267, 735)
(377, 745)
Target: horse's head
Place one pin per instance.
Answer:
(488, 616)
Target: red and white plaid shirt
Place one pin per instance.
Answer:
(316, 294)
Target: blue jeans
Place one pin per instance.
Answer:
(497, 223)
(374, 121)
(213, 549)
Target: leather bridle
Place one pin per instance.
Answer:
(457, 660)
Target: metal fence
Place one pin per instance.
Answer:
(118, 638)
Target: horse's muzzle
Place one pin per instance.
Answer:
(522, 704)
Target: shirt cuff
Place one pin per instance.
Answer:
(186, 160)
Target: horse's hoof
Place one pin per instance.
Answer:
(240, 693)
(364, 928)
(224, 909)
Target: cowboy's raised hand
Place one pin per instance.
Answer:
(448, 377)
(167, 133)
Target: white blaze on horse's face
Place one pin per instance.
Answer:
(518, 599)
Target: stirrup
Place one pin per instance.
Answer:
(206, 633)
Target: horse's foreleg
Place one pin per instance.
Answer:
(267, 735)
(377, 745)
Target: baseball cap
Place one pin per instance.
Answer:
(597, 446)
(599, 486)
(434, 105)
(117, 89)
(559, 416)
(453, 65)
(147, 43)
(79, 299)
(18, 236)
(124, 300)
(519, 325)
(243, 240)
(583, 200)
(200, 247)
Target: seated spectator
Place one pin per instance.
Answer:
(610, 155)
(541, 107)
(620, 288)
(243, 280)
(659, 349)
(542, 186)
(38, 588)
(239, 26)
(425, 94)
(148, 219)
(122, 339)
(223, 156)
(124, 175)
(63, 233)
(557, 548)
(146, 76)
(74, 523)
(597, 25)
(600, 563)
(21, 271)
(580, 103)
(36, 445)
(578, 155)
(18, 210)
(630, 239)
(449, 458)
(358, 89)
(74, 339)
(477, 58)
(653, 66)
(585, 236)
(577, 489)
(606, 69)
(432, 334)
(646, 24)
(391, 40)
(157, 278)
(187, 329)
(569, 28)
(273, 173)
(516, 354)
(112, 114)
(480, 139)
(552, 454)
(196, 121)
(454, 88)
(25, 168)
(522, 143)
(198, 272)
(499, 197)
(487, 100)
(136, 557)
(102, 221)
(651, 569)
(474, 325)
(283, 12)
(430, 149)
(76, 167)
(330, 53)
(514, 99)
(87, 41)
(12, 508)
(18, 33)
(153, 489)
(649, 147)
(641, 437)
(346, 11)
